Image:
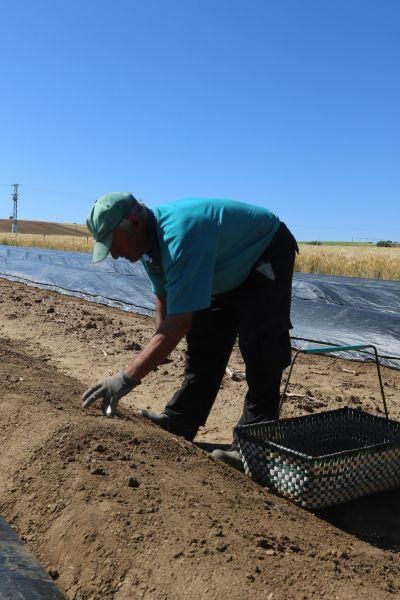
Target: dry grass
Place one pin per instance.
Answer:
(70, 243)
(354, 261)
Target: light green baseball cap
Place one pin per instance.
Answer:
(106, 214)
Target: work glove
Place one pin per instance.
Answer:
(110, 391)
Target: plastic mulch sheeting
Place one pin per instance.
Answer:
(335, 310)
(346, 310)
(21, 576)
(73, 273)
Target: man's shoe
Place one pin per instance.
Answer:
(168, 424)
(231, 457)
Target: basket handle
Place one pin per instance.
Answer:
(324, 349)
(334, 348)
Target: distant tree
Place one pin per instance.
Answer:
(385, 244)
(315, 243)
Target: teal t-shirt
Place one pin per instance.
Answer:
(207, 246)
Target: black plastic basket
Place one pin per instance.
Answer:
(326, 458)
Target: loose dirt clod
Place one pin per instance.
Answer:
(133, 482)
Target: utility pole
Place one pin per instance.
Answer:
(14, 216)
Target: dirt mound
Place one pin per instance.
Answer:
(120, 509)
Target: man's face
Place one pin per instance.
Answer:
(130, 242)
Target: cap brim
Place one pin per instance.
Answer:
(102, 248)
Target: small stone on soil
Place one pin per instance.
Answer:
(133, 482)
(99, 448)
(54, 574)
(264, 543)
(98, 471)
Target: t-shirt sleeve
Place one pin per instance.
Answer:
(157, 279)
(189, 282)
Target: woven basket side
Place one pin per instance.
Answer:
(324, 433)
(346, 480)
(366, 457)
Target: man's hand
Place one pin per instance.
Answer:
(110, 391)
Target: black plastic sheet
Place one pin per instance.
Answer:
(21, 576)
(74, 274)
(334, 310)
(345, 310)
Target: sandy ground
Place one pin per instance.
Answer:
(120, 509)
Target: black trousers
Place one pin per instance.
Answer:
(258, 314)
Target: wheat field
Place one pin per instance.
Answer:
(354, 261)
(70, 243)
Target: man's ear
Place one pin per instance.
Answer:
(125, 225)
(135, 222)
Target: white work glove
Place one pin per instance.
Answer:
(110, 390)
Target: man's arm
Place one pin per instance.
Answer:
(166, 338)
(161, 310)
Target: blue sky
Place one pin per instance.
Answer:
(289, 104)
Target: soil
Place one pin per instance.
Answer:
(45, 228)
(117, 508)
